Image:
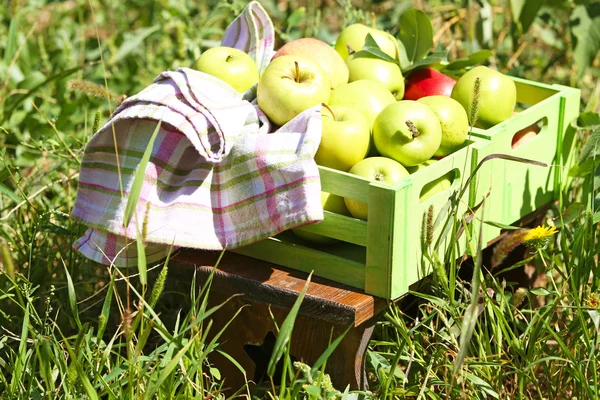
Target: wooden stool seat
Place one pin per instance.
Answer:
(327, 310)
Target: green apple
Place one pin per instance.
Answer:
(354, 36)
(437, 185)
(319, 51)
(407, 131)
(497, 95)
(290, 85)
(454, 120)
(229, 64)
(363, 65)
(330, 202)
(345, 138)
(380, 169)
(368, 97)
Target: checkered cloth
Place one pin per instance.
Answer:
(218, 177)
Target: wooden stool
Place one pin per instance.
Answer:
(327, 310)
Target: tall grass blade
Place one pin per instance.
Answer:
(285, 333)
(169, 368)
(328, 351)
(105, 313)
(138, 181)
(72, 297)
(141, 255)
(20, 362)
(87, 385)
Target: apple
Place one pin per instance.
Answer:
(427, 82)
(454, 121)
(380, 169)
(229, 64)
(368, 97)
(345, 138)
(354, 36)
(330, 202)
(290, 85)
(497, 95)
(407, 131)
(363, 65)
(434, 187)
(319, 51)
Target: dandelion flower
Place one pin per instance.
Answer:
(539, 237)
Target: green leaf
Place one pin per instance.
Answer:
(285, 333)
(416, 34)
(72, 297)
(540, 291)
(591, 148)
(524, 12)
(11, 40)
(133, 42)
(432, 59)
(138, 181)
(476, 58)
(9, 193)
(587, 120)
(103, 319)
(371, 47)
(295, 17)
(586, 37)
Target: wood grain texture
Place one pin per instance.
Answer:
(263, 282)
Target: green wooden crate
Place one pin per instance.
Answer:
(383, 255)
(518, 189)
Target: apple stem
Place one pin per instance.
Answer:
(373, 21)
(297, 72)
(228, 58)
(350, 49)
(379, 176)
(330, 110)
(413, 129)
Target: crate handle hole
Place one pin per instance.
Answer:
(441, 184)
(529, 132)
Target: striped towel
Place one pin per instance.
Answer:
(218, 176)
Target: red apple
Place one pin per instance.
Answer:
(427, 82)
(321, 53)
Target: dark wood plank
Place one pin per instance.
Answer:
(263, 282)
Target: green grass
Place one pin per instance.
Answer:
(70, 328)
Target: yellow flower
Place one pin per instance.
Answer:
(539, 237)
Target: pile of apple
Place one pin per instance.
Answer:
(374, 124)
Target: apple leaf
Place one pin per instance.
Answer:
(586, 37)
(473, 59)
(435, 58)
(416, 34)
(371, 47)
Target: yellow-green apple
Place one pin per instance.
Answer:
(497, 95)
(229, 64)
(363, 65)
(368, 97)
(330, 202)
(437, 185)
(380, 169)
(345, 138)
(427, 82)
(320, 52)
(354, 36)
(454, 121)
(290, 85)
(407, 131)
